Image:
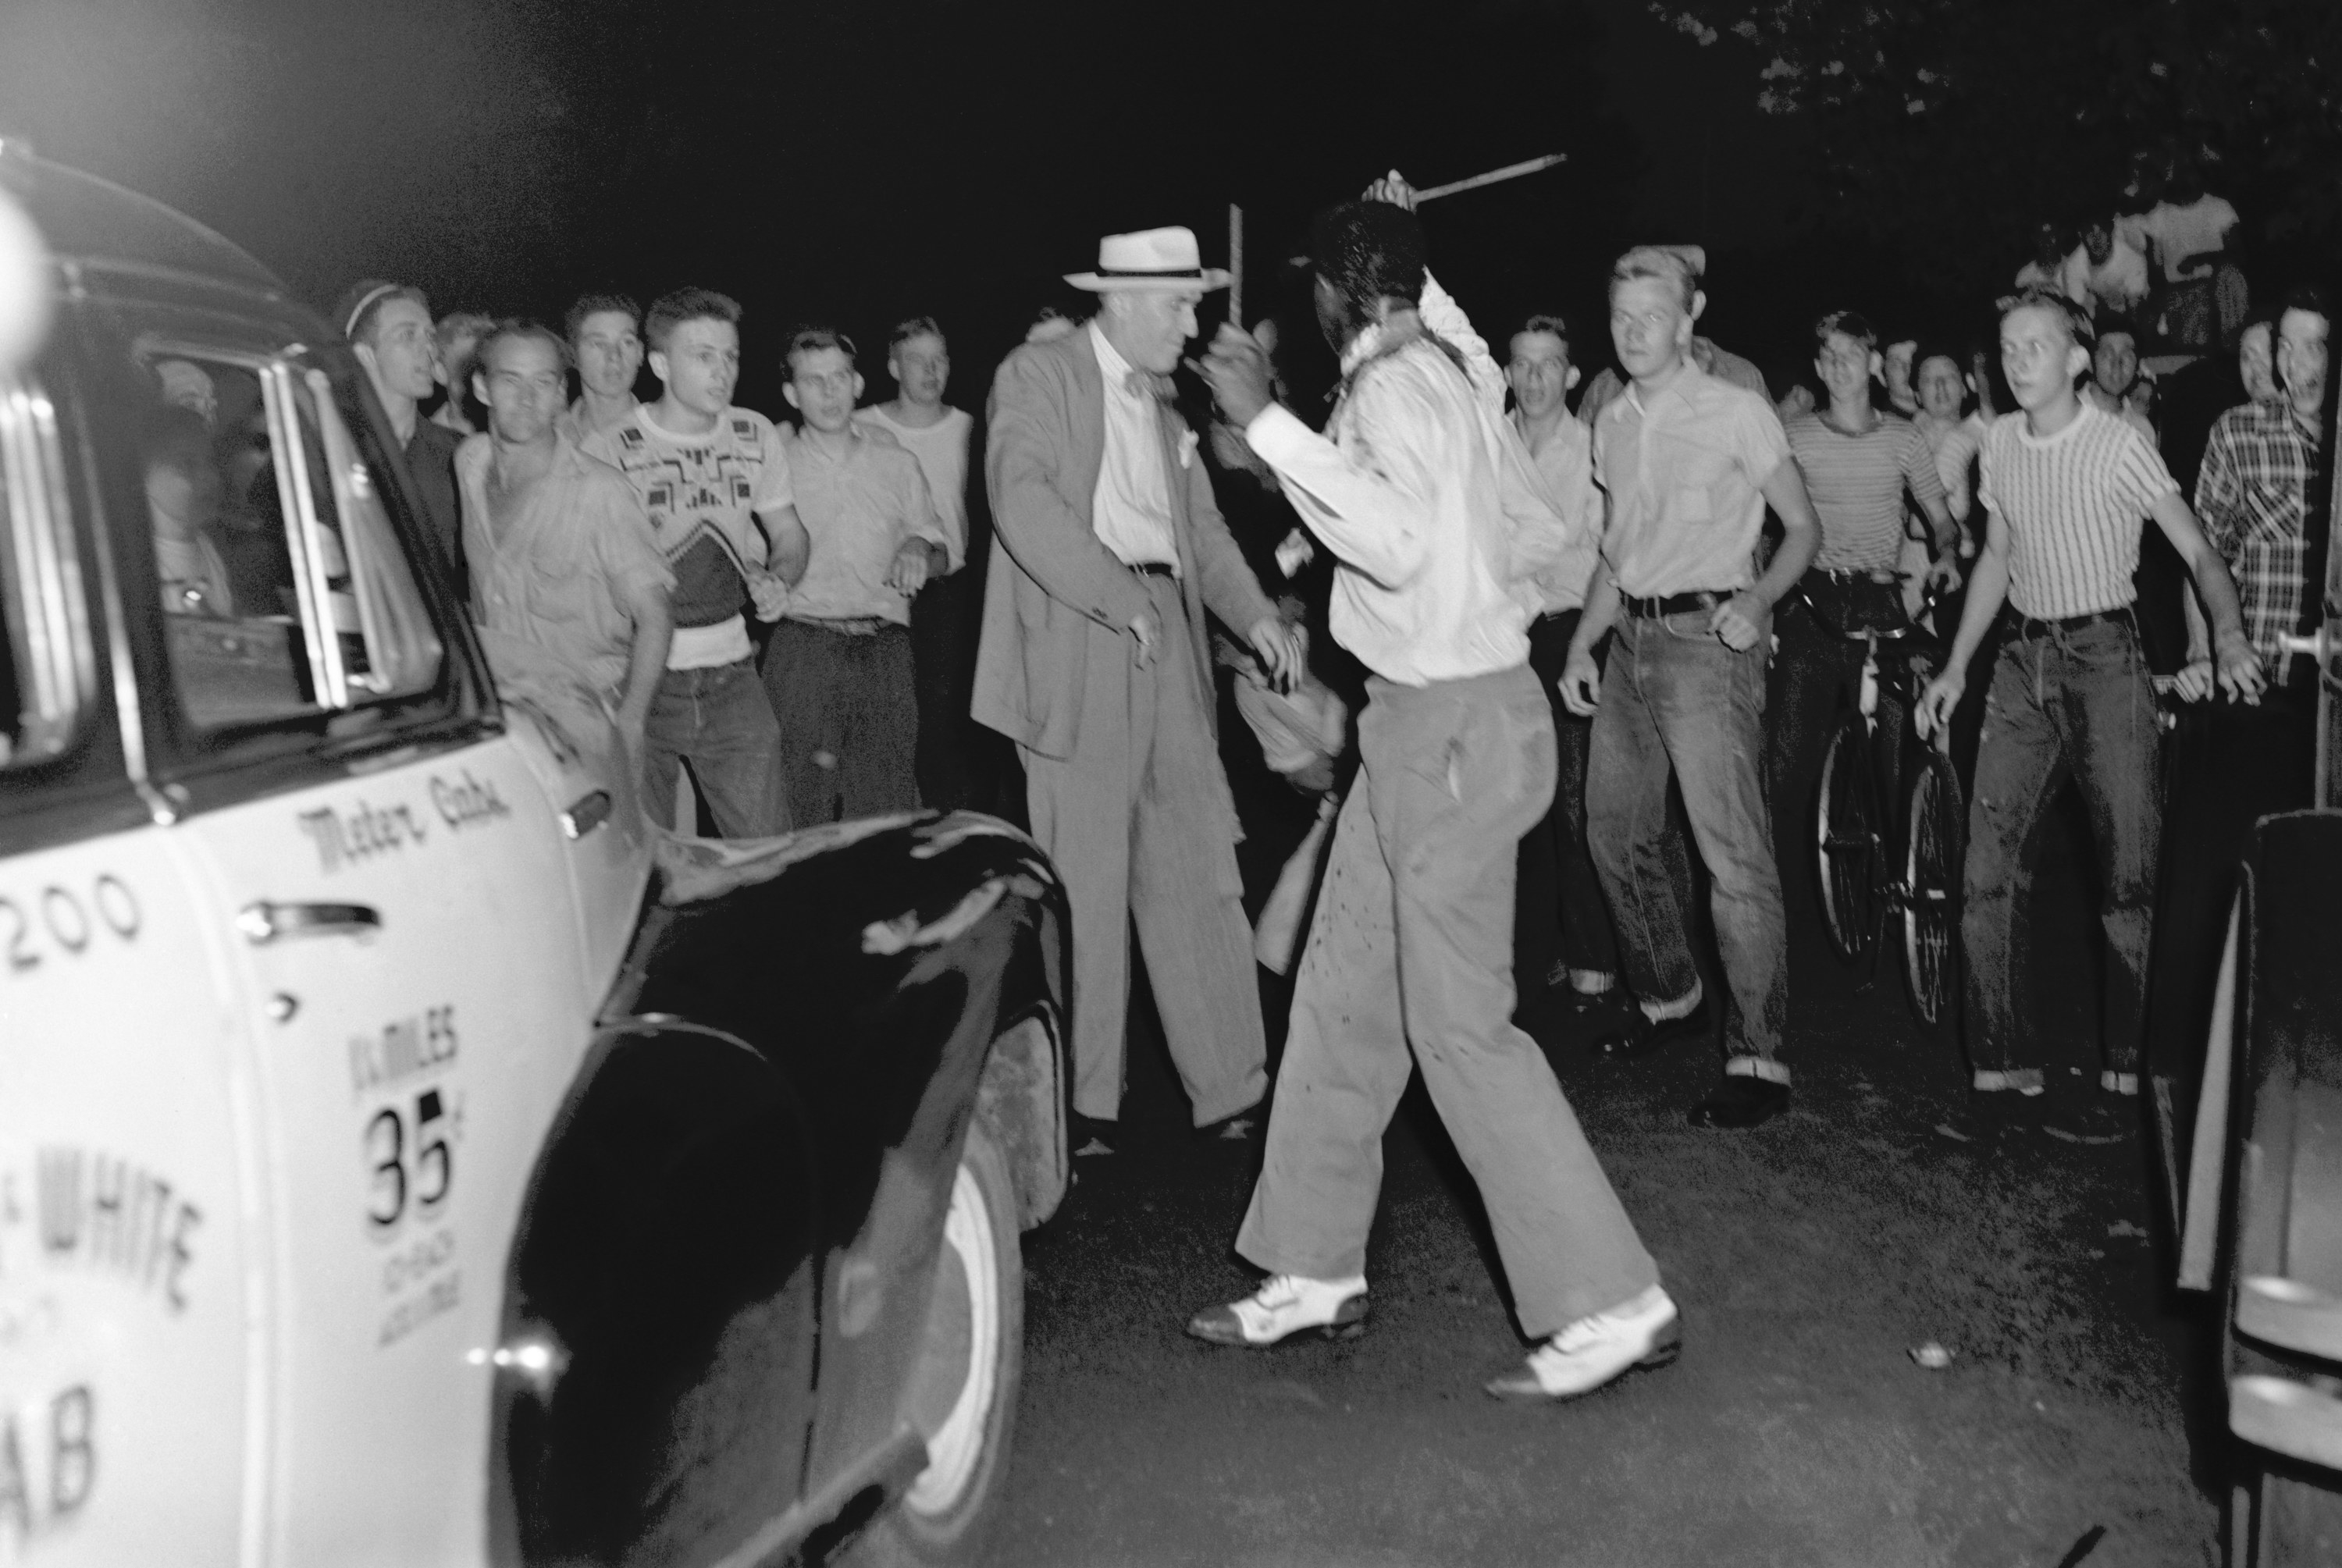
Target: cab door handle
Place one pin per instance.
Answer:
(263, 922)
(585, 813)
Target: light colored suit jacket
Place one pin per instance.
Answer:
(1054, 598)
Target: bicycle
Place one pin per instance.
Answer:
(1862, 891)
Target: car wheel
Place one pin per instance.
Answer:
(963, 1393)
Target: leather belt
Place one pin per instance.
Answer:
(2030, 627)
(1673, 603)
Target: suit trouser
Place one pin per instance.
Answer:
(1143, 831)
(1412, 948)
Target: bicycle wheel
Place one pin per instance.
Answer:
(1846, 842)
(1934, 845)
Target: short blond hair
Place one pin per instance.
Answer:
(1682, 265)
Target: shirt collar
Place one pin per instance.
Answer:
(858, 438)
(1111, 365)
(2282, 414)
(1685, 385)
(1393, 333)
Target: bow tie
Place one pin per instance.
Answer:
(1152, 384)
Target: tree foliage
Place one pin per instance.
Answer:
(1950, 128)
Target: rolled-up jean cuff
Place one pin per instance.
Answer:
(1683, 1006)
(1757, 1067)
(2024, 1080)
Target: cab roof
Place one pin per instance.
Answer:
(95, 222)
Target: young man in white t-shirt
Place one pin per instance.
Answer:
(947, 615)
(2066, 487)
(715, 482)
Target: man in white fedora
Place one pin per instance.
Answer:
(1094, 660)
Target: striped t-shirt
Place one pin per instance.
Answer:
(1857, 483)
(2074, 504)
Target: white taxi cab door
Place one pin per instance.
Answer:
(391, 881)
(127, 1270)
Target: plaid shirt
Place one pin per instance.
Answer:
(2251, 494)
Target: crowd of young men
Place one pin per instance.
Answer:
(1560, 614)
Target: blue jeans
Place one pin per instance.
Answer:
(720, 723)
(1675, 699)
(2062, 703)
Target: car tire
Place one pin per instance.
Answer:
(963, 1388)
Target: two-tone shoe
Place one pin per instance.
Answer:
(1285, 1305)
(1646, 1331)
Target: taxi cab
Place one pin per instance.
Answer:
(409, 1155)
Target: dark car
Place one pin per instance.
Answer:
(407, 1154)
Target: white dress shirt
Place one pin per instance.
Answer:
(1130, 511)
(1427, 500)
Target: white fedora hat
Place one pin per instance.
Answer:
(1154, 259)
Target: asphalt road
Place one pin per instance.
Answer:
(1810, 1258)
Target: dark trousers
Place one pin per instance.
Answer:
(849, 720)
(2232, 764)
(1562, 919)
(2063, 705)
(1815, 680)
(718, 723)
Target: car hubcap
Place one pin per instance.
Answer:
(962, 1356)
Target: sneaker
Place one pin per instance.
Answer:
(1285, 1305)
(2105, 1119)
(1593, 1350)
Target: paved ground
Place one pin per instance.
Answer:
(1809, 1256)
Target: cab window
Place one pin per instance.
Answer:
(45, 649)
(283, 590)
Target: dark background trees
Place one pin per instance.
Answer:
(1946, 129)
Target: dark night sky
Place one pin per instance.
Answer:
(859, 163)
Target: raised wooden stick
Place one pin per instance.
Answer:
(1509, 172)
(1236, 263)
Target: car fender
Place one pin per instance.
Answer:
(669, 1240)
